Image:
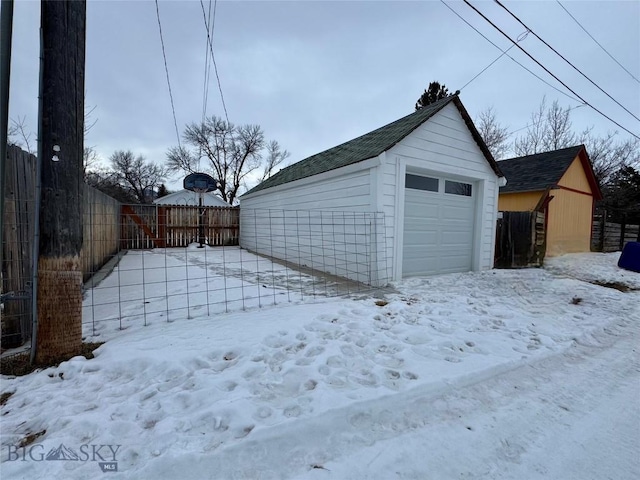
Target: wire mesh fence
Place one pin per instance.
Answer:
(346, 244)
(283, 256)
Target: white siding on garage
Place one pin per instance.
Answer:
(326, 225)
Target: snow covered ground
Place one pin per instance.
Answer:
(594, 267)
(504, 374)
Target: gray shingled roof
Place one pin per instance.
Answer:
(537, 172)
(364, 147)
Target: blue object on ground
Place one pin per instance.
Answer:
(630, 257)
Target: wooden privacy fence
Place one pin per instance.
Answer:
(159, 226)
(17, 245)
(101, 230)
(612, 237)
(520, 239)
(101, 222)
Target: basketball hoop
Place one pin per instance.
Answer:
(200, 183)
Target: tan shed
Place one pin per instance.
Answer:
(560, 183)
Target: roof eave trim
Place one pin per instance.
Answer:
(587, 166)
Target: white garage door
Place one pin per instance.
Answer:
(438, 226)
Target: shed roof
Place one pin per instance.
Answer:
(544, 170)
(187, 197)
(371, 145)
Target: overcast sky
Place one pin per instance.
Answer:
(315, 74)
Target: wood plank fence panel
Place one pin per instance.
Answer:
(101, 230)
(149, 226)
(133, 236)
(611, 237)
(17, 246)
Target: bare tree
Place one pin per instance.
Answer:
(108, 183)
(533, 139)
(275, 156)
(90, 159)
(139, 176)
(234, 154)
(20, 135)
(493, 133)
(609, 155)
(550, 129)
(559, 132)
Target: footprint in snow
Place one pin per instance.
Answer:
(228, 386)
(254, 372)
(335, 361)
(295, 348)
(416, 339)
(304, 361)
(392, 374)
(310, 384)
(243, 431)
(347, 350)
(364, 378)
(389, 362)
(361, 420)
(292, 411)
(314, 351)
(263, 413)
(274, 342)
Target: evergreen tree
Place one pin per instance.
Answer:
(162, 191)
(432, 94)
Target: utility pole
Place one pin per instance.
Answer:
(61, 127)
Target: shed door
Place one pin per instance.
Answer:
(438, 226)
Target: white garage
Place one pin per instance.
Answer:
(415, 197)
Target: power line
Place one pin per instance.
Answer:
(597, 43)
(548, 71)
(207, 65)
(520, 38)
(166, 69)
(207, 69)
(504, 52)
(562, 57)
(213, 59)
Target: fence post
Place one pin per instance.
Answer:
(623, 228)
(603, 226)
(162, 225)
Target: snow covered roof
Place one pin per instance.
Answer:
(187, 197)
